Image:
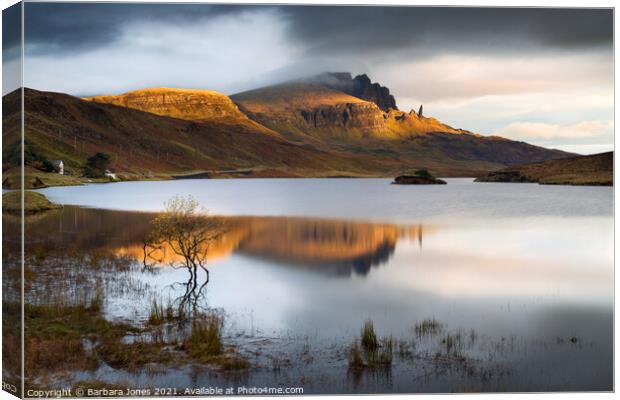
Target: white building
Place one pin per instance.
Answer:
(110, 174)
(59, 165)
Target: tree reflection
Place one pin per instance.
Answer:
(185, 231)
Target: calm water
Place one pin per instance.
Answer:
(373, 199)
(523, 263)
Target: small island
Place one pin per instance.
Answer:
(420, 177)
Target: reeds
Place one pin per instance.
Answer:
(370, 351)
(428, 327)
(205, 339)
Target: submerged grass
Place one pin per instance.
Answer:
(204, 344)
(428, 327)
(54, 335)
(205, 339)
(132, 356)
(157, 315)
(369, 337)
(370, 351)
(160, 313)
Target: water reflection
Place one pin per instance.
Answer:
(338, 248)
(533, 279)
(332, 247)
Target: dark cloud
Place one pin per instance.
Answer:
(327, 30)
(11, 48)
(11, 26)
(77, 27)
(342, 30)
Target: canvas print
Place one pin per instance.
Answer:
(218, 199)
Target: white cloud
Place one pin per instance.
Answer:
(217, 55)
(11, 75)
(586, 148)
(457, 77)
(544, 131)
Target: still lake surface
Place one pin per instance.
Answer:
(525, 264)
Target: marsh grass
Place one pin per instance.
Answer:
(386, 351)
(369, 337)
(157, 314)
(96, 302)
(205, 339)
(428, 327)
(160, 314)
(204, 343)
(54, 335)
(370, 351)
(66, 331)
(452, 344)
(170, 312)
(132, 356)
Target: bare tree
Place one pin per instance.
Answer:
(185, 230)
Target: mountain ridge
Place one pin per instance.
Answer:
(299, 128)
(308, 109)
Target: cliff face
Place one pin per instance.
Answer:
(312, 109)
(321, 107)
(189, 104)
(354, 116)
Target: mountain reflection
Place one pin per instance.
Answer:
(333, 247)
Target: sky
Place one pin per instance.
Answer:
(540, 75)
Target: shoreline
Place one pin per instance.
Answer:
(207, 175)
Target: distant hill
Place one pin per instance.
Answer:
(312, 127)
(597, 169)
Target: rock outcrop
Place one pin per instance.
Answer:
(380, 95)
(361, 87)
(417, 180)
(506, 176)
(420, 177)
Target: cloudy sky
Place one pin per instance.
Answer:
(544, 76)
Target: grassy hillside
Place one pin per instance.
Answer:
(596, 169)
(184, 133)
(63, 127)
